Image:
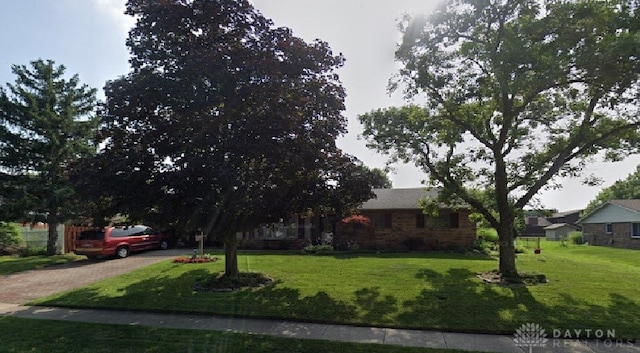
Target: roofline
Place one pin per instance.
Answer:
(610, 202)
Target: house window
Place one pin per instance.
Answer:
(381, 221)
(420, 221)
(608, 228)
(454, 220)
(635, 230)
(444, 220)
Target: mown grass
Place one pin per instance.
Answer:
(23, 335)
(589, 288)
(12, 264)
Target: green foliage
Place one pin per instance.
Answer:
(628, 188)
(518, 94)
(318, 249)
(46, 125)
(576, 237)
(379, 178)
(487, 234)
(9, 236)
(29, 251)
(240, 128)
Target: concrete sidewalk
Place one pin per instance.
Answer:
(289, 329)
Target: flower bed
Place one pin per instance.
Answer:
(196, 260)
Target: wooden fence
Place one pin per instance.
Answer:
(70, 235)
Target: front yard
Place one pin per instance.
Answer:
(589, 288)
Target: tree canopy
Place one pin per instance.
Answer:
(518, 94)
(224, 122)
(47, 122)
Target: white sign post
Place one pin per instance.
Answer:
(200, 240)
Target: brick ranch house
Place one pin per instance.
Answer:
(614, 223)
(397, 222)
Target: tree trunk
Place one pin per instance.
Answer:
(52, 238)
(231, 256)
(507, 264)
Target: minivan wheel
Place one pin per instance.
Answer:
(122, 252)
(164, 245)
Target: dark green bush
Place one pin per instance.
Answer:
(33, 251)
(10, 237)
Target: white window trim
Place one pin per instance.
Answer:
(632, 235)
(609, 225)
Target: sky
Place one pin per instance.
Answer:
(88, 37)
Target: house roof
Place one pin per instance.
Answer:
(398, 199)
(630, 204)
(558, 226)
(633, 204)
(564, 213)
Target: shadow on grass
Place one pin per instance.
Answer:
(15, 265)
(410, 255)
(457, 301)
(451, 301)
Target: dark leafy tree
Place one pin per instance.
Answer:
(224, 122)
(46, 123)
(380, 178)
(626, 189)
(518, 93)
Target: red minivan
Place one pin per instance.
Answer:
(119, 241)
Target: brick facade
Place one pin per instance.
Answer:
(620, 236)
(405, 232)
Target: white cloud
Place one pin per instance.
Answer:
(115, 9)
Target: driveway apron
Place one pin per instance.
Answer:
(23, 287)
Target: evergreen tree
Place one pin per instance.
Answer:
(46, 123)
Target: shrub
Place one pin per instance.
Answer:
(33, 251)
(487, 234)
(10, 237)
(318, 249)
(576, 237)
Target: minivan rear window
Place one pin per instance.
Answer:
(131, 231)
(91, 235)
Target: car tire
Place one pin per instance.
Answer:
(122, 252)
(164, 245)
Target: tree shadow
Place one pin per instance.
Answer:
(452, 301)
(412, 255)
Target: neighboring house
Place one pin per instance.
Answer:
(558, 231)
(399, 223)
(568, 217)
(554, 227)
(614, 223)
(534, 227)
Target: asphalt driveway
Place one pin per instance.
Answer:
(23, 287)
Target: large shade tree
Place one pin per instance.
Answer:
(518, 94)
(47, 122)
(224, 122)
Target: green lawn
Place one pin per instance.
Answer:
(589, 288)
(12, 264)
(22, 335)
